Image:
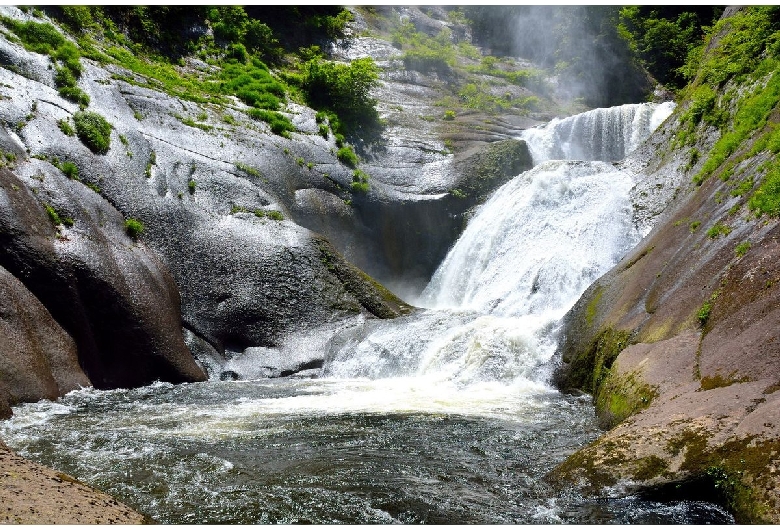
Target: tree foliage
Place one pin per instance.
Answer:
(344, 89)
(663, 36)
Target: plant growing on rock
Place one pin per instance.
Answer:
(134, 228)
(93, 130)
(347, 156)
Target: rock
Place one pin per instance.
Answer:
(114, 298)
(34, 494)
(38, 359)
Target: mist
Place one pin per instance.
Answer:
(579, 45)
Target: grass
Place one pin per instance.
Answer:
(66, 128)
(134, 228)
(347, 156)
(93, 130)
(359, 181)
(717, 230)
(278, 122)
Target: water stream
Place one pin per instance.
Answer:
(442, 416)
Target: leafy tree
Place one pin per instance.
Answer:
(344, 89)
(663, 36)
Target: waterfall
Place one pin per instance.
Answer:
(494, 305)
(538, 242)
(600, 134)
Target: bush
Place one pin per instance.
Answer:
(347, 156)
(343, 89)
(93, 130)
(278, 122)
(134, 228)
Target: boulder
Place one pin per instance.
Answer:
(114, 297)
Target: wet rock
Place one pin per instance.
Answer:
(38, 359)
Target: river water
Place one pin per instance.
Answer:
(442, 416)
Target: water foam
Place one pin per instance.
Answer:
(607, 134)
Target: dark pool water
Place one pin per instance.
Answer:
(331, 451)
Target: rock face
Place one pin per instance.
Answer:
(679, 342)
(248, 236)
(39, 359)
(33, 494)
(113, 297)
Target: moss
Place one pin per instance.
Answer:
(718, 381)
(737, 469)
(650, 467)
(134, 228)
(634, 261)
(590, 368)
(590, 310)
(621, 396)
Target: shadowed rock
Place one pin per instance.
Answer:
(112, 296)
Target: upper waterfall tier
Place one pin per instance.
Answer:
(601, 134)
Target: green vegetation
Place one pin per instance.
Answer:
(278, 122)
(742, 249)
(93, 130)
(359, 181)
(347, 156)
(249, 170)
(663, 36)
(134, 228)
(275, 215)
(717, 230)
(344, 91)
(65, 127)
(45, 39)
(70, 170)
(424, 53)
(191, 186)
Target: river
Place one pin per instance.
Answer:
(442, 416)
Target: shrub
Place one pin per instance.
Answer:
(449, 115)
(134, 228)
(343, 89)
(191, 186)
(93, 130)
(347, 156)
(279, 123)
(275, 215)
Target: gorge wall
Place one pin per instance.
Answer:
(679, 342)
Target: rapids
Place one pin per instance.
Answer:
(442, 416)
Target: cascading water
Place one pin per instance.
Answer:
(443, 416)
(600, 134)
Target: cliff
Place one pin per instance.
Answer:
(679, 342)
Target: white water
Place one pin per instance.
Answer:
(600, 134)
(493, 307)
(524, 259)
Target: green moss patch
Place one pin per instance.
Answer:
(621, 396)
